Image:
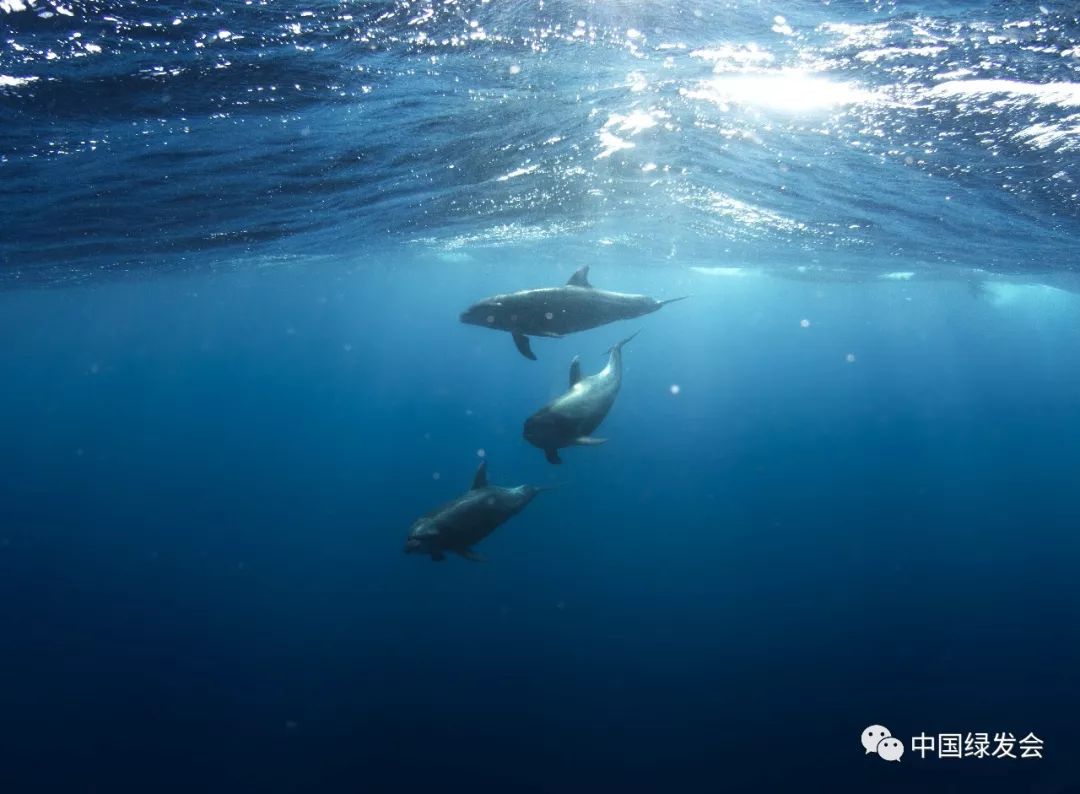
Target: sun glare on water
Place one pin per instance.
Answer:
(786, 91)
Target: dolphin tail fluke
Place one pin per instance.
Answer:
(523, 347)
(674, 300)
(618, 346)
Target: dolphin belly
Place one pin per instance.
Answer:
(573, 416)
(549, 429)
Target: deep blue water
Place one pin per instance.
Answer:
(841, 485)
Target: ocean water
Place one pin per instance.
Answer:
(841, 482)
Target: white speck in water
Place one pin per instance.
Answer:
(515, 69)
(347, 347)
(850, 358)
(804, 323)
(435, 475)
(481, 453)
(675, 388)
(95, 368)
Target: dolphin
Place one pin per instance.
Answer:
(569, 419)
(460, 524)
(555, 311)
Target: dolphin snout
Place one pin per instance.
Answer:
(471, 316)
(531, 431)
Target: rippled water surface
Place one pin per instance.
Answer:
(718, 134)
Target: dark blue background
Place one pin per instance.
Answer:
(205, 495)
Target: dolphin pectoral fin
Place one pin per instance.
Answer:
(470, 555)
(480, 480)
(437, 556)
(589, 441)
(575, 371)
(522, 343)
(580, 278)
(552, 456)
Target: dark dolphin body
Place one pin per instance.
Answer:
(459, 525)
(555, 311)
(569, 419)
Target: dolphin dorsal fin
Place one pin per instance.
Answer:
(575, 371)
(580, 278)
(480, 480)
